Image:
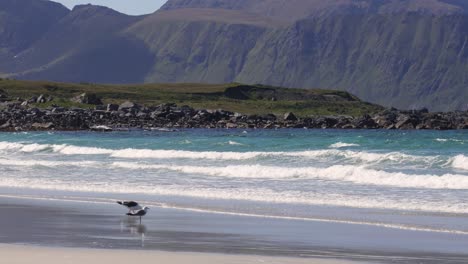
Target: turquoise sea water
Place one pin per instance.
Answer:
(415, 180)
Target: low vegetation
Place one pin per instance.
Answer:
(246, 99)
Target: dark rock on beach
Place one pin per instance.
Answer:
(16, 116)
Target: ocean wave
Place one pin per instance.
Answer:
(234, 143)
(46, 163)
(460, 162)
(10, 146)
(131, 153)
(105, 201)
(450, 139)
(354, 174)
(74, 150)
(241, 194)
(182, 154)
(63, 149)
(343, 145)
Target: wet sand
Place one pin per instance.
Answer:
(47, 255)
(59, 227)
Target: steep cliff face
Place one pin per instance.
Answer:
(85, 45)
(402, 53)
(293, 10)
(407, 60)
(200, 45)
(24, 21)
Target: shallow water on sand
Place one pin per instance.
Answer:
(413, 180)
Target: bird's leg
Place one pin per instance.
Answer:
(140, 220)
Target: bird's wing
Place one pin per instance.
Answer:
(135, 208)
(128, 203)
(131, 204)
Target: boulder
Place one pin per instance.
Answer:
(112, 107)
(58, 110)
(86, 98)
(290, 117)
(231, 125)
(127, 106)
(41, 99)
(269, 117)
(43, 125)
(404, 122)
(326, 122)
(366, 122)
(7, 124)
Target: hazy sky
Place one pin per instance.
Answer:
(132, 7)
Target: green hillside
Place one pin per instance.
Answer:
(408, 54)
(246, 99)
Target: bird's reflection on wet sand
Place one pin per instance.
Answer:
(133, 226)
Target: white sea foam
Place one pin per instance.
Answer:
(343, 145)
(46, 163)
(460, 162)
(181, 154)
(450, 139)
(74, 150)
(234, 143)
(355, 156)
(212, 211)
(243, 194)
(340, 173)
(24, 147)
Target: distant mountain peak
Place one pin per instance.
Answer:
(296, 9)
(93, 9)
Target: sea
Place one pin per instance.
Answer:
(409, 180)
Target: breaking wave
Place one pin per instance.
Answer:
(130, 153)
(45, 163)
(460, 162)
(242, 194)
(354, 174)
(343, 145)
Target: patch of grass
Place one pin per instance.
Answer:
(246, 99)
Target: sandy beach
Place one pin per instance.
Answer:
(98, 232)
(13, 254)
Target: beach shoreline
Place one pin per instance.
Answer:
(98, 232)
(15, 254)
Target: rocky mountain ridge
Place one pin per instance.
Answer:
(408, 54)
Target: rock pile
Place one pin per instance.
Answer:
(16, 117)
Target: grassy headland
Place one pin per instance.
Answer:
(246, 99)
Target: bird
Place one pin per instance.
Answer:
(140, 213)
(134, 209)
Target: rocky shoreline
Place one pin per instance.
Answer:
(21, 117)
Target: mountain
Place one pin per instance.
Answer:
(294, 10)
(84, 45)
(24, 21)
(402, 53)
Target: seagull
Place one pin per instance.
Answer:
(134, 209)
(139, 213)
